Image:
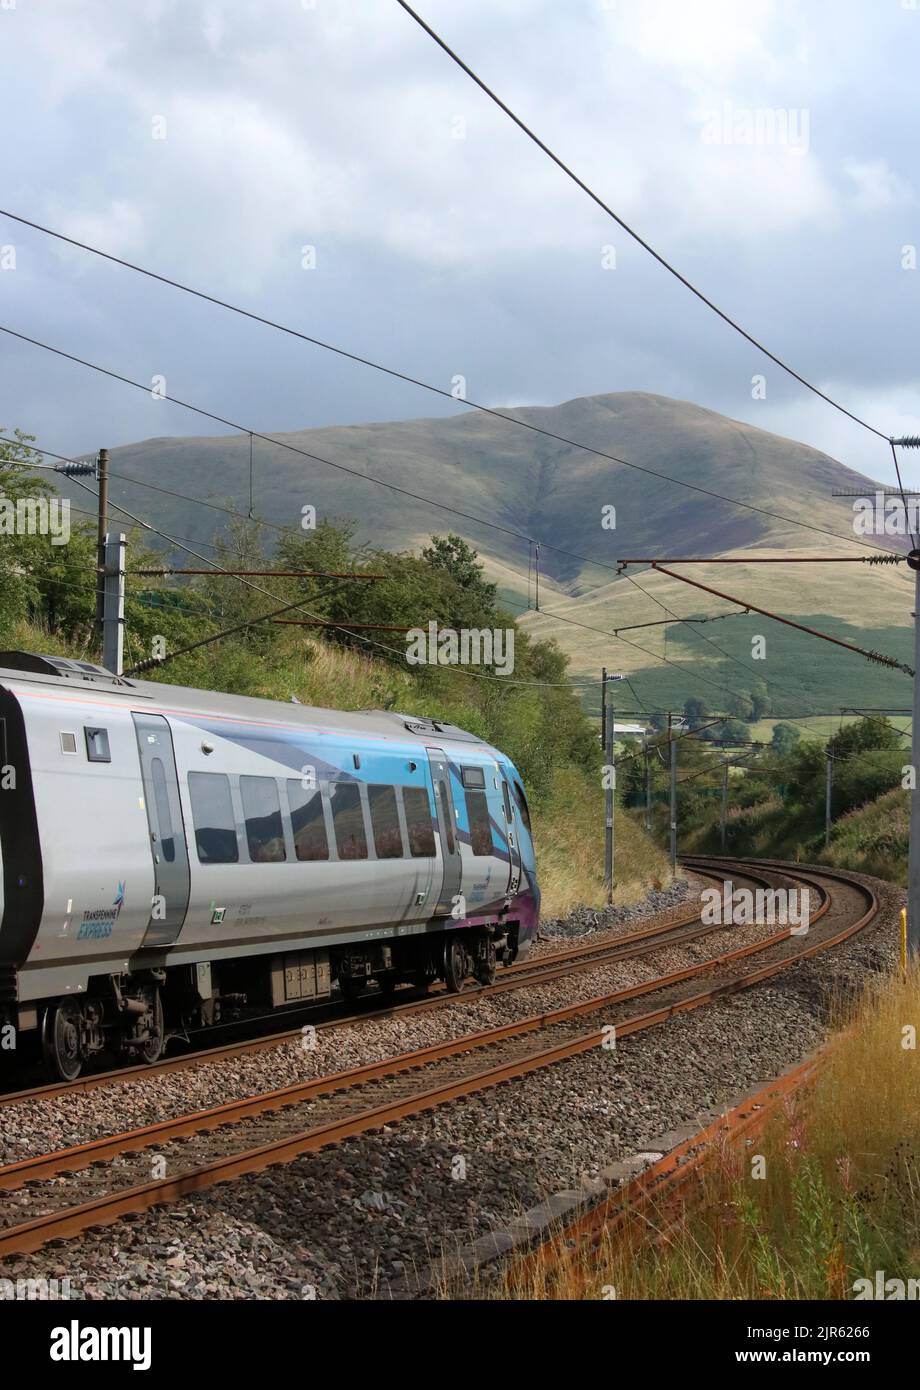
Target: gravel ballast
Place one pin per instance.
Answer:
(349, 1220)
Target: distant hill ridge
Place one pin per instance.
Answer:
(516, 478)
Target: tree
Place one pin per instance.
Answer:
(739, 705)
(459, 560)
(735, 732)
(785, 737)
(696, 712)
(760, 706)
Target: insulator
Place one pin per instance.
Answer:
(76, 470)
(883, 559)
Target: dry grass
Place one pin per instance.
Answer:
(569, 837)
(839, 1198)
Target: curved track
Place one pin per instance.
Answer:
(666, 930)
(93, 1184)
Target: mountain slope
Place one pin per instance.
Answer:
(527, 483)
(516, 478)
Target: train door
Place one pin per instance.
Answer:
(514, 848)
(167, 829)
(447, 827)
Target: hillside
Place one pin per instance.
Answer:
(524, 481)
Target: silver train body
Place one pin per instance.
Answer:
(170, 855)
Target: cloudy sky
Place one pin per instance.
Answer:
(769, 149)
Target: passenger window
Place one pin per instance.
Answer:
(97, 745)
(418, 822)
(164, 819)
(448, 816)
(348, 819)
(385, 822)
(262, 812)
(212, 814)
(477, 809)
(307, 822)
(473, 777)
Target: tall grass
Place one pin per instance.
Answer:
(569, 837)
(838, 1199)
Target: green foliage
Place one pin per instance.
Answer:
(696, 712)
(47, 602)
(785, 737)
(782, 814)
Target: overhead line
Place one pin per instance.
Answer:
(368, 641)
(422, 385)
(630, 231)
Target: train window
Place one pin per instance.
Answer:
(348, 819)
(445, 807)
(164, 819)
(418, 822)
(262, 812)
(385, 822)
(506, 797)
(212, 813)
(307, 822)
(473, 777)
(97, 745)
(521, 800)
(477, 809)
(68, 741)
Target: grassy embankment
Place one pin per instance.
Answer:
(870, 839)
(839, 1198)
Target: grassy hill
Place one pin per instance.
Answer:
(526, 482)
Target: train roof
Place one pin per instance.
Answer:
(84, 678)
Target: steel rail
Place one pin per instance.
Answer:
(44, 1166)
(111, 1206)
(538, 970)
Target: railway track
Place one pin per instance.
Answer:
(632, 945)
(94, 1184)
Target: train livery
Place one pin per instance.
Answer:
(171, 857)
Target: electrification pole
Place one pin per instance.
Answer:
(672, 744)
(610, 776)
(102, 478)
(113, 604)
(724, 802)
(828, 795)
(913, 863)
(610, 794)
(648, 785)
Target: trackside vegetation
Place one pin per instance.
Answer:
(47, 603)
(824, 1203)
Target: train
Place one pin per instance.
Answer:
(175, 858)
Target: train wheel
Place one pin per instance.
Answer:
(456, 963)
(62, 1048)
(486, 964)
(153, 1050)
